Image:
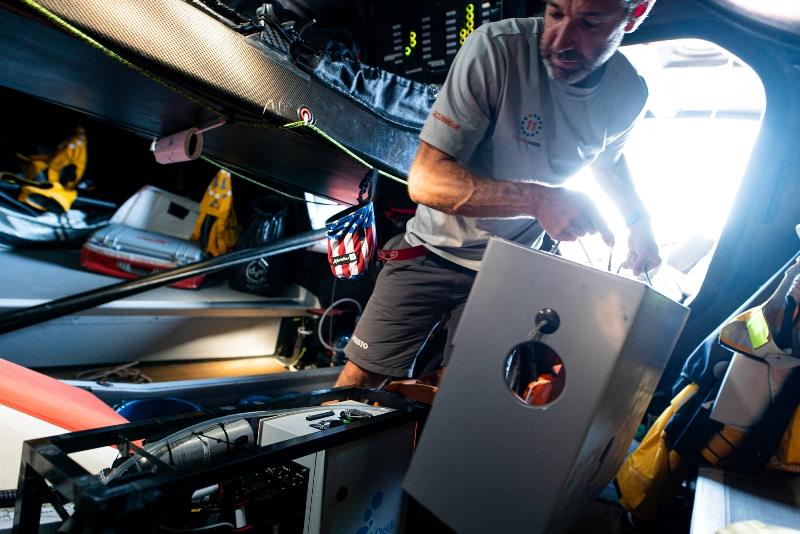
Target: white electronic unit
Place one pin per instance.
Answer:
(354, 488)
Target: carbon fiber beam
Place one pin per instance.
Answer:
(183, 45)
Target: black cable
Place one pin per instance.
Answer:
(89, 299)
(227, 438)
(18, 205)
(330, 321)
(226, 441)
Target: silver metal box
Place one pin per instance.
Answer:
(489, 462)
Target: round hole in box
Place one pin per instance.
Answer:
(535, 373)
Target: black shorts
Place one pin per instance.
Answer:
(410, 297)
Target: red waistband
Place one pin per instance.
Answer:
(402, 254)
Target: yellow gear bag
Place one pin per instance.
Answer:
(652, 471)
(51, 183)
(217, 228)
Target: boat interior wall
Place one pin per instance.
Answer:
(762, 220)
(783, 17)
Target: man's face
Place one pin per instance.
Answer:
(580, 36)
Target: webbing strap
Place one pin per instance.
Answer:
(402, 254)
(757, 329)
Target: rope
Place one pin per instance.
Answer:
(122, 373)
(261, 184)
(337, 144)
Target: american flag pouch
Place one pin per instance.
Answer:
(351, 235)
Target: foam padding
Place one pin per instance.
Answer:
(53, 401)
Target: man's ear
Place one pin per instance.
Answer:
(638, 14)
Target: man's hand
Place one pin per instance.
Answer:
(567, 215)
(642, 248)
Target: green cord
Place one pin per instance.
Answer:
(261, 184)
(52, 17)
(343, 148)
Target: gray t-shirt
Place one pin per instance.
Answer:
(501, 116)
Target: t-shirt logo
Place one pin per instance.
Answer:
(446, 120)
(531, 125)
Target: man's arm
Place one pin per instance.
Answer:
(438, 181)
(616, 182)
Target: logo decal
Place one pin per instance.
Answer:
(446, 120)
(531, 125)
(369, 526)
(347, 258)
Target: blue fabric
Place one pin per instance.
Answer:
(396, 99)
(350, 221)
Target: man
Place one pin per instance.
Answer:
(527, 103)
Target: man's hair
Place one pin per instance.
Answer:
(628, 5)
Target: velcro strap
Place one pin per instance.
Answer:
(401, 254)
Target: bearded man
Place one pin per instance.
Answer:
(526, 104)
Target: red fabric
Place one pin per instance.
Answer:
(402, 254)
(53, 401)
(97, 262)
(359, 247)
(541, 391)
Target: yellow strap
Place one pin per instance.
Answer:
(757, 329)
(30, 195)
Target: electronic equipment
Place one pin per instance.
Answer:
(351, 486)
(274, 470)
(420, 39)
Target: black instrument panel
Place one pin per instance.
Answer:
(420, 39)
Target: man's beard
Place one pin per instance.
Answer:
(581, 70)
